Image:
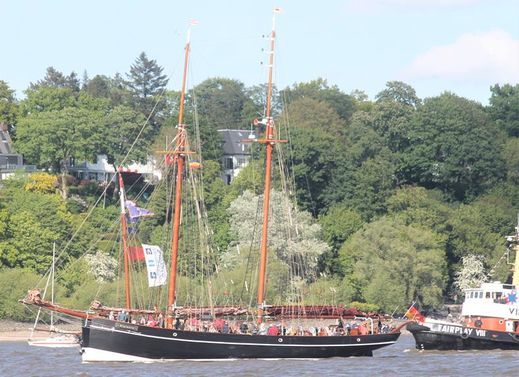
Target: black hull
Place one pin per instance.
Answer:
(105, 340)
(462, 338)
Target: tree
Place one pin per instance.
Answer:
(315, 157)
(311, 114)
(47, 98)
(510, 155)
(51, 139)
(399, 92)
(392, 264)
(98, 86)
(146, 84)
(419, 206)
(293, 235)
(372, 184)
(220, 103)
(319, 90)
(475, 230)
(122, 126)
(504, 107)
(338, 224)
(8, 106)
(390, 120)
(452, 146)
(56, 79)
(472, 274)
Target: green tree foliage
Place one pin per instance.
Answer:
(400, 92)
(319, 90)
(51, 139)
(146, 84)
(294, 237)
(47, 99)
(123, 125)
(315, 157)
(338, 224)
(504, 107)
(392, 264)
(15, 283)
(452, 146)
(472, 233)
(8, 105)
(416, 205)
(317, 116)
(220, 103)
(510, 155)
(56, 79)
(373, 183)
(98, 86)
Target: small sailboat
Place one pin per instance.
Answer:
(56, 338)
(213, 332)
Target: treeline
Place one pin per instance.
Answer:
(402, 189)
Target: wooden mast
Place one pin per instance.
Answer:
(268, 141)
(179, 158)
(124, 235)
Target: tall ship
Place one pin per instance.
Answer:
(489, 317)
(183, 331)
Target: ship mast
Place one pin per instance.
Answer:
(269, 142)
(515, 276)
(179, 159)
(124, 236)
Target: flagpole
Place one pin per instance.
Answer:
(124, 236)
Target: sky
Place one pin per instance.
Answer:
(462, 46)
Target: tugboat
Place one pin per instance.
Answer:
(489, 318)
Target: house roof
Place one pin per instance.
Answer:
(233, 143)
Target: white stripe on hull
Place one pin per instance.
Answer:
(92, 355)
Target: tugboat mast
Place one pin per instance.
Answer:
(515, 247)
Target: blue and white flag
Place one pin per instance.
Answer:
(157, 273)
(135, 212)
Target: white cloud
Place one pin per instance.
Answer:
(377, 5)
(491, 57)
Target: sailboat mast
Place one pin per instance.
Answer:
(124, 236)
(180, 156)
(269, 141)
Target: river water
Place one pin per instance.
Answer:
(401, 359)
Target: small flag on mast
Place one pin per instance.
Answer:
(135, 212)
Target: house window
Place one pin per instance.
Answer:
(228, 163)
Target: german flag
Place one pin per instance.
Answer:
(413, 314)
